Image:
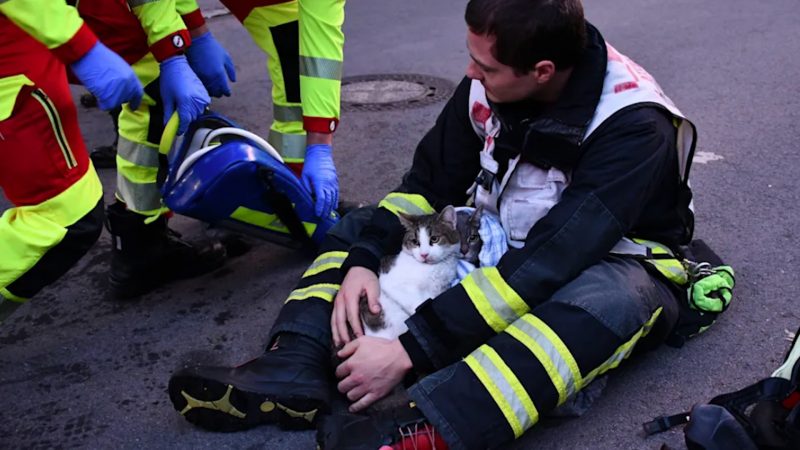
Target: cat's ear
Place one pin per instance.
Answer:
(449, 216)
(406, 220)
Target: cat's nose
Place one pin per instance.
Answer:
(423, 256)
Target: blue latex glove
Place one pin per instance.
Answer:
(319, 177)
(181, 90)
(212, 64)
(108, 77)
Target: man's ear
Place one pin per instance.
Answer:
(543, 71)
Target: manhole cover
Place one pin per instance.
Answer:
(392, 91)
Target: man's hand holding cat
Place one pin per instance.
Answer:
(358, 281)
(372, 368)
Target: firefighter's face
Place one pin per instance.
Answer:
(501, 83)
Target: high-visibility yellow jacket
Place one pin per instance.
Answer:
(132, 28)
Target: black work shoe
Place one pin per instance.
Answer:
(104, 157)
(145, 256)
(289, 385)
(400, 428)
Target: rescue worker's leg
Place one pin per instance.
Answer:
(502, 388)
(290, 383)
(146, 253)
(46, 174)
(274, 28)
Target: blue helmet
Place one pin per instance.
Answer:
(229, 177)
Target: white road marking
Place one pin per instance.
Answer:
(705, 157)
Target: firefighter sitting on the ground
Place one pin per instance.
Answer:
(45, 172)
(579, 152)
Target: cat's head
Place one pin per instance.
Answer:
(431, 238)
(468, 226)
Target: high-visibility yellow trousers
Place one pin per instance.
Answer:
(46, 174)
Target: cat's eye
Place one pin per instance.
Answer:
(434, 239)
(473, 237)
(414, 241)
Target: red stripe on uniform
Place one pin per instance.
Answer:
(77, 46)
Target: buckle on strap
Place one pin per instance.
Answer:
(664, 423)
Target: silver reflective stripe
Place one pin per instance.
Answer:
(556, 360)
(627, 247)
(138, 197)
(139, 154)
(509, 394)
(291, 146)
(287, 113)
(135, 3)
(320, 68)
(495, 299)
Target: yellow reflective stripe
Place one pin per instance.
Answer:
(324, 291)
(412, 204)
(58, 128)
(544, 335)
(265, 220)
(325, 261)
(624, 350)
(669, 267)
(553, 364)
(495, 300)
(505, 388)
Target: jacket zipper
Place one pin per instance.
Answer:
(58, 129)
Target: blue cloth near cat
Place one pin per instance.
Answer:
(494, 244)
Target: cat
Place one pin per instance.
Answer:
(468, 226)
(424, 268)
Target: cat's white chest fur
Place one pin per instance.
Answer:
(424, 269)
(406, 286)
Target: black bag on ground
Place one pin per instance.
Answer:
(764, 415)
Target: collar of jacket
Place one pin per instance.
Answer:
(553, 138)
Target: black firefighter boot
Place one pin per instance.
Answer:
(145, 256)
(289, 385)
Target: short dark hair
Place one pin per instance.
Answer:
(529, 31)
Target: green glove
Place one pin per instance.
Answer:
(713, 292)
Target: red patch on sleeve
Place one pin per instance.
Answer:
(621, 87)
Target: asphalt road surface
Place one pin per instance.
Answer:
(81, 370)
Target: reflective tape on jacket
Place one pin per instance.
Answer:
(325, 261)
(659, 256)
(412, 204)
(323, 291)
(504, 387)
(495, 300)
(552, 353)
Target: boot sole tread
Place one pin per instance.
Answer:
(218, 406)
